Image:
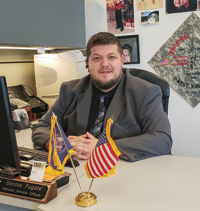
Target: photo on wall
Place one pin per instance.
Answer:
(130, 46)
(174, 6)
(120, 16)
(149, 5)
(151, 17)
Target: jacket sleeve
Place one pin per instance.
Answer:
(155, 138)
(41, 131)
(65, 108)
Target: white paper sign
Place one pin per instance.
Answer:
(37, 172)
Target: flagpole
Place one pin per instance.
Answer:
(90, 186)
(69, 156)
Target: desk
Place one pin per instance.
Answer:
(24, 140)
(156, 184)
(164, 183)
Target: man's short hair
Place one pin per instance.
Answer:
(103, 38)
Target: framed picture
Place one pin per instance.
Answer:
(130, 46)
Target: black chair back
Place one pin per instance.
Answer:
(154, 79)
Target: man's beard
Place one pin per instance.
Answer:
(102, 85)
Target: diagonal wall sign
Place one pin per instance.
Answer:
(178, 60)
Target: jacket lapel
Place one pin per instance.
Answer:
(83, 109)
(116, 104)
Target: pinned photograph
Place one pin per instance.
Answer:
(151, 17)
(149, 5)
(120, 16)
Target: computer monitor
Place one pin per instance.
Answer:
(9, 155)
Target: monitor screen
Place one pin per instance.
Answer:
(8, 146)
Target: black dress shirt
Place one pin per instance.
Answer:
(95, 104)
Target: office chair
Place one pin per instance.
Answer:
(154, 79)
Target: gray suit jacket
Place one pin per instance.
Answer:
(140, 127)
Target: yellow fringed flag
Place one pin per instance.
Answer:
(103, 160)
(59, 149)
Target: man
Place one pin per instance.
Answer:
(140, 127)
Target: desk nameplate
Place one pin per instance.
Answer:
(41, 192)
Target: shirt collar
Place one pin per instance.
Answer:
(98, 92)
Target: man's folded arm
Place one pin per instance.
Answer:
(155, 138)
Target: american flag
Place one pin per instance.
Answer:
(164, 62)
(59, 147)
(104, 158)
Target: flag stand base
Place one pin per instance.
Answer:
(86, 199)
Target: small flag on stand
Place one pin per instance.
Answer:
(103, 160)
(59, 149)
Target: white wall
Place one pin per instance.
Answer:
(185, 120)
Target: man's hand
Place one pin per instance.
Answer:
(46, 145)
(82, 145)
